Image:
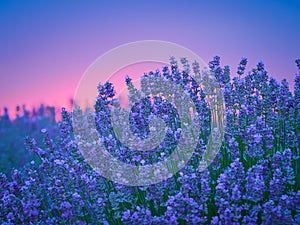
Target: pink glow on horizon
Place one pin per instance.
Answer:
(65, 90)
(57, 94)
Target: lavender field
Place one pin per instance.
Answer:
(255, 178)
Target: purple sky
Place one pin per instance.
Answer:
(45, 46)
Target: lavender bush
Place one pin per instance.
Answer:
(254, 179)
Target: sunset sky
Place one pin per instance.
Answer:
(45, 46)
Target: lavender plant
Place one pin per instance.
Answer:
(253, 180)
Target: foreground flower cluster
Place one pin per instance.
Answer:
(254, 179)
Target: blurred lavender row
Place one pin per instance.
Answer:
(13, 152)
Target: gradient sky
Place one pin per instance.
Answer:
(45, 46)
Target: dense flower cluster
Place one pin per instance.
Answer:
(254, 179)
